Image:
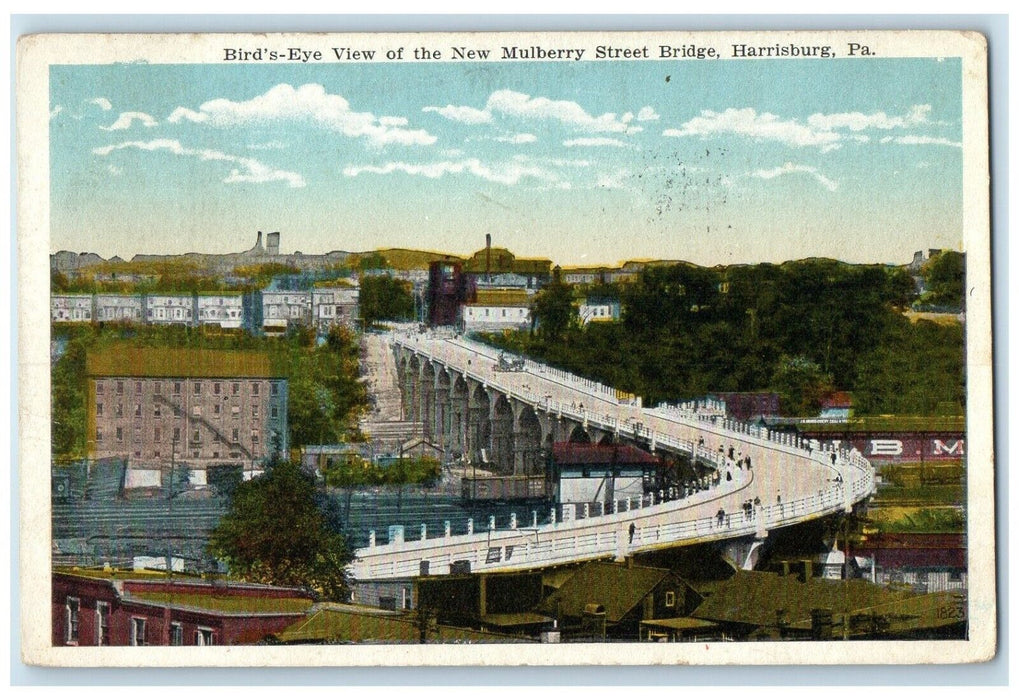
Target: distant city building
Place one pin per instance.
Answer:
(224, 309)
(489, 262)
(97, 607)
(837, 406)
(598, 310)
(119, 307)
(497, 309)
(335, 306)
(281, 309)
(746, 405)
(170, 309)
(71, 308)
(199, 407)
(448, 288)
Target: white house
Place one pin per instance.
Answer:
(166, 309)
(224, 309)
(119, 307)
(595, 311)
(283, 308)
(493, 317)
(335, 306)
(71, 308)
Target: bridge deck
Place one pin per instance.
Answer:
(790, 481)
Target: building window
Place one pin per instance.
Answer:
(99, 409)
(102, 624)
(100, 388)
(274, 389)
(176, 434)
(254, 436)
(120, 410)
(216, 409)
(216, 388)
(235, 435)
(120, 435)
(254, 410)
(157, 435)
(73, 608)
(196, 436)
(196, 410)
(254, 389)
(203, 637)
(137, 631)
(176, 634)
(157, 388)
(198, 388)
(235, 410)
(670, 599)
(120, 388)
(137, 387)
(99, 434)
(274, 412)
(176, 411)
(176, 387)
(138, 410)
(157, 411)
(236, 388)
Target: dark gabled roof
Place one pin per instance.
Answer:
(616, 587)
(586, 453)
(127, 361)
(755, 597)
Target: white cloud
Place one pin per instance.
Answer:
(466, 115)
(309, 104)
(858, 121)
(761, 127)
(506, 173)
(517, 138)
(248, 170)
(103, 103)
(596, 141)
(790, 168)
(911, 140)
(647, 114)
(127, 119)
(517, 104)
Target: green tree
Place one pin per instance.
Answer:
(278, 532)
(553, 310)
(945, 275)
(383, 298)
(802, 385)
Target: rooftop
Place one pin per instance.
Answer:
(224, 603)
(122, 360)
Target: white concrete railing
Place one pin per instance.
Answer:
(656, 524)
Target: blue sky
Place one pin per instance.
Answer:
(582, 162)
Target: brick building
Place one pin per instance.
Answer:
(203, 407)
(96, 607)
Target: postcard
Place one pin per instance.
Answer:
(505, 349)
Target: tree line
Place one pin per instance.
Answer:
(802, 329)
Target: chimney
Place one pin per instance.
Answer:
(258, 243)
(488, 257)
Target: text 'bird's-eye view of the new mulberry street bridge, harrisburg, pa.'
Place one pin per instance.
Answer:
(680, 362)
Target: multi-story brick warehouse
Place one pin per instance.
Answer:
(203, 407)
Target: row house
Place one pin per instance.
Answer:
(224, 309)
(119, 307)
(334, 306)
(497, 309)
(71, 308)
(106, 607)
(167, 309)
(153, 406)
(284, 308)
(598, 310)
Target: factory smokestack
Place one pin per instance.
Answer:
(258, 243)
(488, 257)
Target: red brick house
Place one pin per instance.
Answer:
(94, 607)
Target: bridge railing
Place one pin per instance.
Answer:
(601, 535)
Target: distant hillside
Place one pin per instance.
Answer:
(407, 259)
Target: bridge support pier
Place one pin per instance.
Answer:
(744, 552)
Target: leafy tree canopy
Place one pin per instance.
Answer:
(277, 532)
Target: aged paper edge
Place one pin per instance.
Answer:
(35, 55)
